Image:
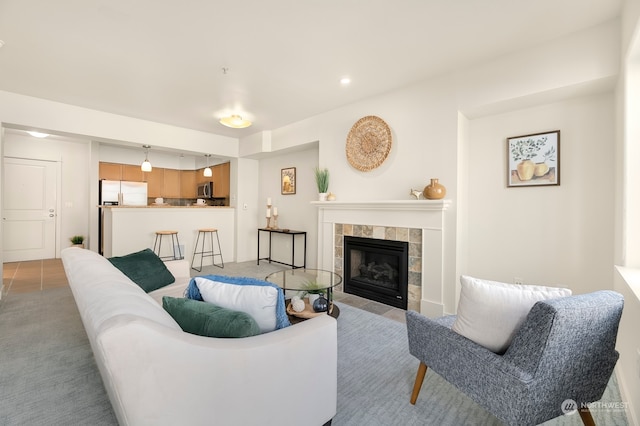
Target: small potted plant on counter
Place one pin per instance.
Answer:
(322, 181)
(77, 241)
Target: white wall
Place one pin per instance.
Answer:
(428, 140)
(55, 117)
(244, 191)
(295, 210)
(554, 235)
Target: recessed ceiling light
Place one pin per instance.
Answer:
(1, 43)
(345, 81)
(235, 121)
(38, 134)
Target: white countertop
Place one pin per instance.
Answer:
(164, 206)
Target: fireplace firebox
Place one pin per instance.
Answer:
(377, 270)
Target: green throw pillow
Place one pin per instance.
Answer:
(207, 319)
(144, 268)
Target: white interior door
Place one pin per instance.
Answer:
(29, 213)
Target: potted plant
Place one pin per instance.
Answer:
(313, 290)
(322, 181)
(77, 241)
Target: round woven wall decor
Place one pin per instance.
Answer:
(368, 143)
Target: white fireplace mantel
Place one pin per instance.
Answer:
(427, 215)
(409, 205)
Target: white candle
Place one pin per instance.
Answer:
(269, 201)
(268, 212)
(275, 211)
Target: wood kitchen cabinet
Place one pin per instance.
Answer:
(188, 184)
(132, 173)
(109, 171)
(171, 183)
(155, 182)
(221, 180)
(115, 171)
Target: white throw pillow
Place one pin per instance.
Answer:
(490, 312)
(258, 301)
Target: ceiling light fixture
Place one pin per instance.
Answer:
(207, 170)
(146, 165)
(38, 134)
(235, 121)
(345, 81)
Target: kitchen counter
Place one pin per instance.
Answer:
(163, 206)
(127, 229)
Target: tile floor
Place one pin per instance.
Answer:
(33, 275)
(39, 275)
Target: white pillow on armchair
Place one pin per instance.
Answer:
(490, 312)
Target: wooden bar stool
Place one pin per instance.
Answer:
(174, 242)
(209, 253)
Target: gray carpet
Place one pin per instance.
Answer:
(48, 375)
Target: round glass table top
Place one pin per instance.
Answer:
(304, 279)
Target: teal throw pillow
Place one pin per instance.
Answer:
(144, 268)
(207, 319)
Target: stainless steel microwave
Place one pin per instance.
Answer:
(205, 190)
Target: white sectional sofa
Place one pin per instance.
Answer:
(156, 374)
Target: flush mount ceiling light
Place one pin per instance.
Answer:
(38, 134)
(235, 121)
(207, 170)
(146, 165)
(345, 81)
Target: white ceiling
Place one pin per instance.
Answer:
(163, 60)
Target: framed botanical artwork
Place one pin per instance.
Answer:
(534, 160)
(288, 181)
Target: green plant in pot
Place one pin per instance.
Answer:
(77, 240)
(315, 293)
(322, 181)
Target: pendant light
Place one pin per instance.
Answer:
(146, 165)
(207, 170)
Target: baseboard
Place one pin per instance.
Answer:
(431, 309)
(1, 291)
(631, 406)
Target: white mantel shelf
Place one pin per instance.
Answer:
(438, 205)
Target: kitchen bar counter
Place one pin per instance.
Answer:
(127, 229)
(164, 206)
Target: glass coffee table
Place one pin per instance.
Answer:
(303, 280)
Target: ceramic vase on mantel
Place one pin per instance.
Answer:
(322, 196)
(434, 191)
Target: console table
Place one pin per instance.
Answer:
(293, 235)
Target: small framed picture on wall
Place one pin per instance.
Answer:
(288, 181)
(534, 160)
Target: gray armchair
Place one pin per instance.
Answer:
(565, 350)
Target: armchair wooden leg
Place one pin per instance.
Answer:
(422, 370)
(585, 415)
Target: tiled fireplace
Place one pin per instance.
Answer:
(420, 223)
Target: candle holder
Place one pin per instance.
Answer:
(275, 221)
(268, 217)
